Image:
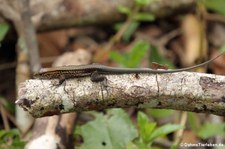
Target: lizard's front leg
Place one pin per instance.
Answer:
(96, 77)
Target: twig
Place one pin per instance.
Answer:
(180, 132)
(117, 37)
(4, 118)
(30, 36)
(215, 17)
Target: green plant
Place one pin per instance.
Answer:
(3, 30)
(155, 56)
(222, 48)
(133, 58)
(115, 130)
(149, 132)
(126, 29)
(11, 139)
(210, 130)
(215, 5)
(137, 53)
(134, 17)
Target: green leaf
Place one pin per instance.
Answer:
(133, 58)
(160, 113)
(130, 30)
(117, 26)
(215, 5)
(124, 10)
(117, 57)
(163, 130)
(209, 130)
(222, 48)
(144, 16)
(112, 131)
(142, 119)
(193, 121)
(13, 135)
(8, 134)
(131, 145)
(147, 131)
(142, 146)
(156, 57)
(143, 2)
(145, 128)
(138, 52)
(3, 30)
(174, 146)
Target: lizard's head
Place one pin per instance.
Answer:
(42, 74)
(37, 75)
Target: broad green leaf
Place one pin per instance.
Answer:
(160, 113)
(142, 119)
(138, 52)
(3, 30)
(120, 128)
(133, 58)
(130, 30)
(112, 131)
(144, 16)
(117, 57)
(147, 131)
(215, 5)
(145, 128)
(209, 130)
(163, 130)
(124, 10)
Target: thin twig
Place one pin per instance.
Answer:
(179, 133)
(30, 36)
(4, 118)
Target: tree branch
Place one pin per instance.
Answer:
(58, 14)
(186, 91)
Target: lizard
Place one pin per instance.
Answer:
(95, 71)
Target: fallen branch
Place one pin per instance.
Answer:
(186, 91)
(58, 14)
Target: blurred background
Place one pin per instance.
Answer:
(122, 33)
